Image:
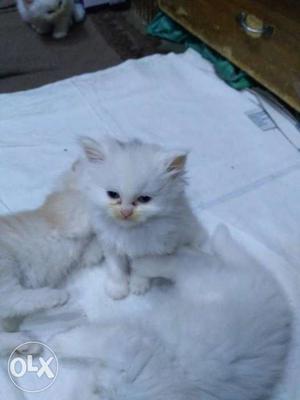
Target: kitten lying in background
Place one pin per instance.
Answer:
(46, 16)
(37, 250)
(140, 207)
(222, 332)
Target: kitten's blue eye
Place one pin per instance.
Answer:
(144, 199)
(113, 195)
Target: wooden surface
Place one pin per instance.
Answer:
(273, 60)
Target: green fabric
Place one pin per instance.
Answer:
(164, 27)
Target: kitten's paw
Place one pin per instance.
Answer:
(117, 290)
(78, 12)
(139, 285)
(57, 297)
(59, 35)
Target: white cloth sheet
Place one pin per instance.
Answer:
(244, 168)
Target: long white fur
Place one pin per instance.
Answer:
(37, 250)
(221, 332)
(51, 16)
(159, 227)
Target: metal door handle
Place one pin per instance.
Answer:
(254, 26)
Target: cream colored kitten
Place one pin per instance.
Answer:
(37, 250)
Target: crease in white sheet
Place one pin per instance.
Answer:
(243, 175)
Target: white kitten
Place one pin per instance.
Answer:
(37, 250)
(140, 207)
(54, 16)
(222, 331)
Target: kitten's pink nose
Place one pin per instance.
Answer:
(126, 212)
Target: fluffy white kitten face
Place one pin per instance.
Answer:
(133, 182)
(46, 9)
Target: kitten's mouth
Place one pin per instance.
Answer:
(126, 221)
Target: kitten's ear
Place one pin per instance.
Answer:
(92, 149)
(175, 163)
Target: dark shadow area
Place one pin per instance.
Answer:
(108, 36)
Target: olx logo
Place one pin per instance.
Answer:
(29, 373)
